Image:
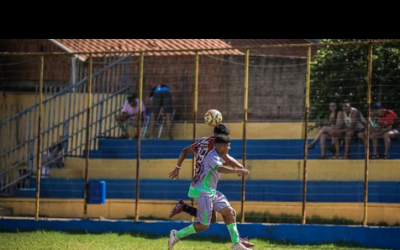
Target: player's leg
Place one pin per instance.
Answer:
(181, 206)
(222, 206)
(214, 216)
(203, 214)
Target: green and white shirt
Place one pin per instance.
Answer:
(205, 183)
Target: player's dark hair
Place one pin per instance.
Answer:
(221, 129)
(222, 139)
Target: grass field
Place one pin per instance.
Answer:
(57, 241)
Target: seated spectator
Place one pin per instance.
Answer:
(373, 121)
(129, 114)
(350, 123)
(326, 131)
(161, 98)
(386, 128)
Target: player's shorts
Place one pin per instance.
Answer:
(162, 99)
(205, 206)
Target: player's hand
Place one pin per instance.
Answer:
(174, 174)
(242, 172)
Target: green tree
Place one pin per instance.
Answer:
(340, 72)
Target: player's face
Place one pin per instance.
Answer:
(225, 148)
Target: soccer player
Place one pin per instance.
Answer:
(201, 148)
(203, 189)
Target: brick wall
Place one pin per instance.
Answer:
(22, 72)
(276, 86)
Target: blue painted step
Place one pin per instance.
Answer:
(263, 190)
(256, 149)
(26, 193)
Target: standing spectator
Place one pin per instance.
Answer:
(161, 98)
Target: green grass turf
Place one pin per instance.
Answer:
(134, 241)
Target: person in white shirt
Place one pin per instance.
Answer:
(350, 123)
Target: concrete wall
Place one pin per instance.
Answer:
(372, 237)
(124, 208)
(326, 170)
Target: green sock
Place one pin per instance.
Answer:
(186, 232)
(232, 228)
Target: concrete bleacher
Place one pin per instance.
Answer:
(276, 166)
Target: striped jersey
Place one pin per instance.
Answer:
(202, 147)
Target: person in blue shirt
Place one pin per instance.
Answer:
(161, 97)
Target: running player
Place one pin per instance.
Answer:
(203, 189)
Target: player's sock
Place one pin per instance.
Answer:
(185, 232)
(190, 210)
(232, 228)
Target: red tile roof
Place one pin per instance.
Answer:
(90, 45)
(276, 52)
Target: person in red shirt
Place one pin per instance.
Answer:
(385, 129)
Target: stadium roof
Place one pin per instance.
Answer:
(91, 45)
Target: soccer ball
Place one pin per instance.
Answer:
(213, 117)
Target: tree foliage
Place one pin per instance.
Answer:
(340, 72)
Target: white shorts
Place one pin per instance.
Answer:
(205, 206)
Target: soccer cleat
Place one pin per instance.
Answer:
(246, 243)
(177, 209)
(172, 239)
(239, 246)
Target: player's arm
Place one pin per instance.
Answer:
(230, 161)
(230, 170)
(182, 156)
